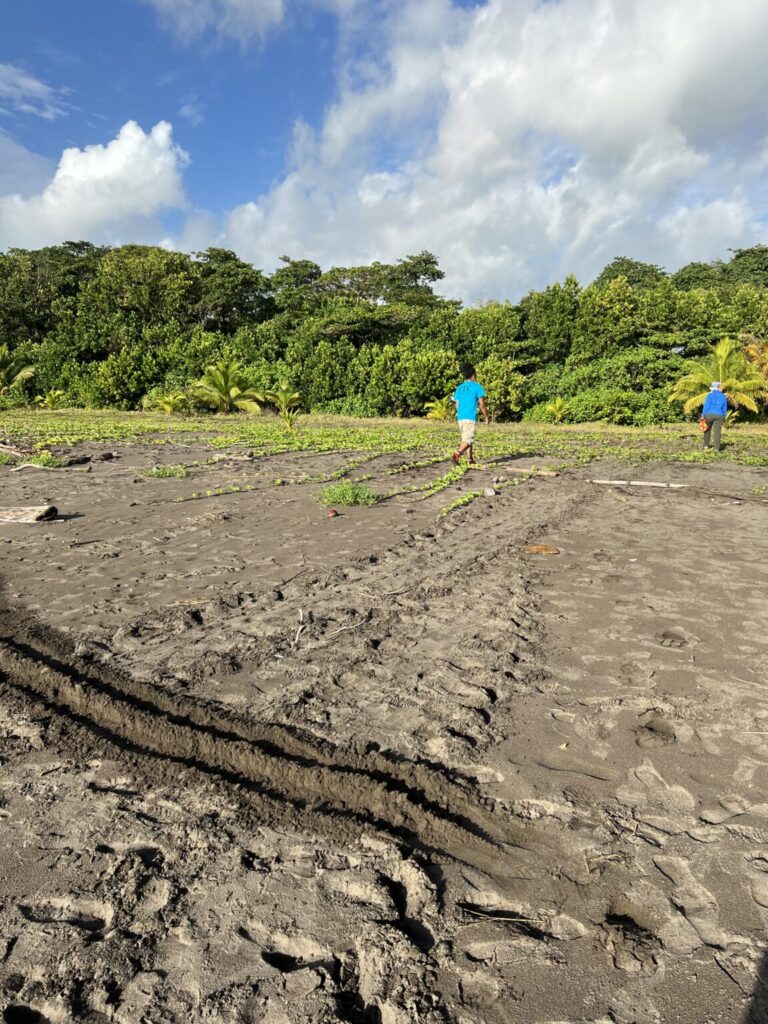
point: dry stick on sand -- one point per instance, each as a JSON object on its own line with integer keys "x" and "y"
{"x": 637, "y": 483}
{"x": 300, "y": 630}
{"x": 355, "y": 625}
{"x": 677, "y": 487}
{"x": 14, "y": 451}
{"x": 49, "y": 469}
{"x": 519, "y": 918}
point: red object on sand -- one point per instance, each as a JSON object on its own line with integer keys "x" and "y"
{"x": 332, "y": 512}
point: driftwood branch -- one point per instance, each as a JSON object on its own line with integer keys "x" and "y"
{"x": 49, "y": 469}
{"x": 28, "y": 514}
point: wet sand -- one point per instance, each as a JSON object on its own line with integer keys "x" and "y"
{"x": 262, "y": 765}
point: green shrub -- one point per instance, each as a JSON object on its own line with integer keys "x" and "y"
{"x": 347, "y": 493}
{"x": 164, "y": 472}
{"x": 351, "y": 405}
{"x": 503, "y": 384}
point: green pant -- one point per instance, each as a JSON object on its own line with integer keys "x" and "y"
{"x": 714, "y": 426}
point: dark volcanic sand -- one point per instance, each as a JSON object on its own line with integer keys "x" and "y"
{"x": 261, "y": 765}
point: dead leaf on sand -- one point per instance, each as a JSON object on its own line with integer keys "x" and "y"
{"x": 541, "y": 549}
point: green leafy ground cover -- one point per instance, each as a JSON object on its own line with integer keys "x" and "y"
{"x": 426, "y": 439}
{"x": 345, "y": 492}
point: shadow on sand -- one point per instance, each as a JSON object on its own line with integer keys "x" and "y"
{"x": 757, "y": 1011}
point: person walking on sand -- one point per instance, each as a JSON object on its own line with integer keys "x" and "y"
{"x": 713, "y": 414}
{"x": 468, "y": 397}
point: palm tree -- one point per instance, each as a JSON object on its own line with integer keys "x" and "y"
{"x": 557, "y": 409}
{"x": 440, "y": 409}
{"x": 169, "y": 402}
{"x": 286, "y": 401}
{"x": 741, "y": 382}
{"x": 224, "y": 387}
{"x": 13, "y": 370}
{"x": 55, "y": 399}
{"x": 284, "y": 398}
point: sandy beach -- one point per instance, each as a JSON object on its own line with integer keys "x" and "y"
{"x": 259, "y": 764}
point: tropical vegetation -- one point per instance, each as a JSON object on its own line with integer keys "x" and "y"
{"x": 139, "y": 326}
{"x": 740, "y": 380}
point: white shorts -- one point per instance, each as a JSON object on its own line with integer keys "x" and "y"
{"x": 468, "y": 429}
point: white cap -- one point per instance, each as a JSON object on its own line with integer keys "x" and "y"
{"x": 715, "y": 386}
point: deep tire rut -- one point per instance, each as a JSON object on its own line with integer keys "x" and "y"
{"x": 426, "y": 811}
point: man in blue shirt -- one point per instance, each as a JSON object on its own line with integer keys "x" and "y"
{"x": 468, "y": 397}
{"x": 713, "y": 413}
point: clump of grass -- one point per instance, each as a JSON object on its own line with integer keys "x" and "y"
{"x": 166, "y": 471}
{"x": 48, "y": 459}
{"x": 462, "y": 502}
{"x": 347, "y": 493}
{"x": 6, "y": 459}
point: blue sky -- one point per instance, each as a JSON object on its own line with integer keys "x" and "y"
{"x": 519, "y": 140}
{"x": 232, "y": 106}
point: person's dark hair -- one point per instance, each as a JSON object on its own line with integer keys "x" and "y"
{"x": 467, "y": 371}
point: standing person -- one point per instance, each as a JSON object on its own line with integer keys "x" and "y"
{"x": 468, "y": 397}
{"x": 713, "y": 413}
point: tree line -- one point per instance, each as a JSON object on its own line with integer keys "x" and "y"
{"x": 115, "y": 326}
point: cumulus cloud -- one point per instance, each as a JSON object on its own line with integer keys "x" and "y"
{"x": 520, "y": 140}
{"x": 22, "y": 93}
{"x": 111, "y": 192}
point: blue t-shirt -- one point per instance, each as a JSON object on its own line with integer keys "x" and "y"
{"x": 467, "y": 396}
{"x": 715, "y": 404}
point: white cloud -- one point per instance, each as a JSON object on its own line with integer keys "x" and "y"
{"x": 518, "y": 140}
{"x": 241, "y": 20}
{"x": 22, "y": 93}
{"x": 521, "y": 140}
{"x": 192, "y": 110}
{"x": 109, "y": 192}
{"x": 720, "y": 224}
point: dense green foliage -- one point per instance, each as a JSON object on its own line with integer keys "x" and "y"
{"x": 740, "y": 381}
{"x": 121, "y": 327}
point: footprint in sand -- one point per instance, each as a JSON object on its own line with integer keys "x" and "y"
{"x": 696, "y": 903}
{"x": 669, "y": 638}
{"x": 90, "y": 915}
{"x": 758, "y": 882}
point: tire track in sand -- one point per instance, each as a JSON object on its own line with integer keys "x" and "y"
{"x": 415, "y": 802}
{"x": 411, "y": 802}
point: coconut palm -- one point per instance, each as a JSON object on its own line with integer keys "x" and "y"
{"x": 55, "y": 399}
{"x": 13, "y": 370}
{"x": 224, "y": 387}
{"x": 286, "y": 401}
{"x": 169, "y": 402}
{"x": 440, "y": 409}
{"x": 741, "y": 382}
{"x": 284, "y": 398}
{"x": 557, "y": 409}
